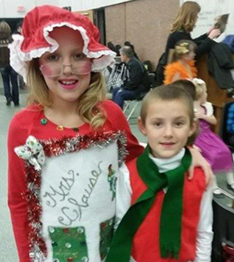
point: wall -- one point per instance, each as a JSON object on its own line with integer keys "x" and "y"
{"x": 9, "y": 8}
{"x": 145, "y": 23}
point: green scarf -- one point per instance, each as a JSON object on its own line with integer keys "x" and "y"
{"x": 171, "y": 214}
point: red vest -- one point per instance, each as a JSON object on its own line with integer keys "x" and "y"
{"x": 146, "y": 240}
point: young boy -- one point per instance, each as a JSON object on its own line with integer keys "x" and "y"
{"x": 165, "y": 217}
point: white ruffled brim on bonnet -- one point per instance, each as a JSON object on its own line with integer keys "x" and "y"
{"x": 18, "y": 59}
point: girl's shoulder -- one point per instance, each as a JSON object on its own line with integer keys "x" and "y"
{"x": 114, "y": 114}
{"x": 111, "y": 108}
{"x": 25, "y": 116}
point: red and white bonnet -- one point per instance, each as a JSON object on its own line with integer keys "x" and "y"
{"x": 35, "y": 39}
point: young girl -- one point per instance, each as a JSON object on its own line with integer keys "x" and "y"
{"x": 212, "y": 147}
{"x": 66, "y": 147}
{"x": 164, "y": 217}
{"x": 184, "y": 67}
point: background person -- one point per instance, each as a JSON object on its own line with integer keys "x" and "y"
{"x": 212, "y": 147}
{"x": 137, "y": 81}
{"x": 9, "y": 76}
{"x": 184, "y": 66}
{"x": 182, "y": 27}
{"x": 20, "y": 78}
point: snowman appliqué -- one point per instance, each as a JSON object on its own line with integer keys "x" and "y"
{"x": 112, "y": 181}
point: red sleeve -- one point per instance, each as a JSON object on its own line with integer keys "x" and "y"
{"x": 119, "y": 122}
{"x": 16, "y": 186}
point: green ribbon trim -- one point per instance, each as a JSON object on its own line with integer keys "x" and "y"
{"x": 171, "y": 214}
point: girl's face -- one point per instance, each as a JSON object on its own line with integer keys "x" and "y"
{"x": 190, "y": 56}
{"x": 67, "y": 70}
{"x": 204, "y": 95}
{"x": 167, "y": 127}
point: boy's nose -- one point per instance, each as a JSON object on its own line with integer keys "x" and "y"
{"x": 168, "y": 130}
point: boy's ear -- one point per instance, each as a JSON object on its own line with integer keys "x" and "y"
{"x": 141, "y": 126}
{"x": 193, "y": 127}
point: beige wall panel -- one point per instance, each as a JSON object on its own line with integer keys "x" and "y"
{"x": 145, "y": 23}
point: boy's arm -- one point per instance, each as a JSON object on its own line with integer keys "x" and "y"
{"x": 204, "y": 231}
{"x": 123, "y": 194}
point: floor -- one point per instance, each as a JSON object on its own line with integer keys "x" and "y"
{"x": 7, "y": 247}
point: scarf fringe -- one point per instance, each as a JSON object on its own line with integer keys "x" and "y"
{"x": 170, "y": 251}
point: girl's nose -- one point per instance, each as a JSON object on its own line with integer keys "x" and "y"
{"x": 67, "y": 69}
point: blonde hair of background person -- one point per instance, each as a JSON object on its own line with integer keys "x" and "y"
{"x": 201, "y": 88}
{"x": 186, "y": 17}
{"x": 212, "y": 147}
{"x": 183, "y": 25}
{"x": 184, "y": 66}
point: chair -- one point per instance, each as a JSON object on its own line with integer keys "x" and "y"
{"x": 225, "y": 136}
{"x": 223, "y": 227}
{"x": 148, "y": 66}
{"x": 137, "y": 100}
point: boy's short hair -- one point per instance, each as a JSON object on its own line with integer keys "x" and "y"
{"x": 167, "y": 93}
{"x": 188, "y": 86}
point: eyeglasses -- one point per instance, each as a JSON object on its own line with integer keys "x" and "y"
{"x": 54, "y": 69}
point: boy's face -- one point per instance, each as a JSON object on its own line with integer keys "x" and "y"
{"x": 167, "y": 127}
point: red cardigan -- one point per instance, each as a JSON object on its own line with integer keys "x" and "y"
{"x": 28, "y": 122}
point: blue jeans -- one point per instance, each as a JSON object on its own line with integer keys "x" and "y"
{"x": 119, "y": 95}
{"x": 10, "y": 76}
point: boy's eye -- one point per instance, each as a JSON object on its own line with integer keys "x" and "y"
{"x": 179, "y": 124}
{"x": 157, "y": 124}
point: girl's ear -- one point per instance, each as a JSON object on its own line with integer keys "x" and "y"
{"x": 141, "y": 126}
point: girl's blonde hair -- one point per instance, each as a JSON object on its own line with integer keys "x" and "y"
{"x": 183, "y": 47}
{"x": 186, "y": 17}
{"x": 89, "y": 103}
{"x": 200, "y": 86}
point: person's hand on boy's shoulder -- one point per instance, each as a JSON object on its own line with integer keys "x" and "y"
{"x": 199, "y": 160}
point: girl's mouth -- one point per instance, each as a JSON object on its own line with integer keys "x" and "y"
{"x": 68, "y": 84}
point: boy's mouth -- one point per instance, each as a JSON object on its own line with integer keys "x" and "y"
{"x": 167, "y": 144}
